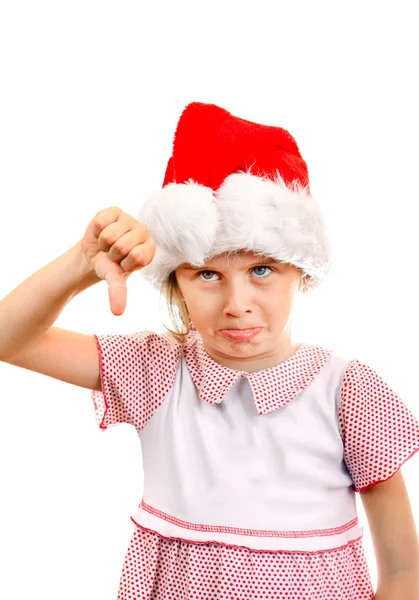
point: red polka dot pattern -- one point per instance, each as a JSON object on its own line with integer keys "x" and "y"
{"x": 156, "y": 568}
{"x": 379, "y": 431}
{"x": 272, "y": 388}
{"x": 137, "y": 372}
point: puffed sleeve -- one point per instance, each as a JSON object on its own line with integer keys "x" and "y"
{"x": 379, "y": 432}
{"x": 137, "y": 371}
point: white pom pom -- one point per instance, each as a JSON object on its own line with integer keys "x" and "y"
{"x": 182, "y": 219}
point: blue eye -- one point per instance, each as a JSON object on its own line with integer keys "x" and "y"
{"x": 262, "y": 267}
{"x": 201, "y": 273}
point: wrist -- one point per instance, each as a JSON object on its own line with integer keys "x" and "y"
{"x": 86, "y": 276}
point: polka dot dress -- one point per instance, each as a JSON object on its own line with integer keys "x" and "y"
{"x": 161, "y": 569}
{"x": 378, "y": 431}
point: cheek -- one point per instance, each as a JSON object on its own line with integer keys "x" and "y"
{"x": 279, "y": 307}
{"x": 202, "y": 305}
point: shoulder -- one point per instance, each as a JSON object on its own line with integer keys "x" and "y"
{"x": 139, "y": 350}
{"x": 361, "y": 379}
{"x": 368, "y": 400}
{"x": 359, "y": 387}
{"x": 354, "y": 373}
{"x": 363, "y": 391}
{"x": 140, "y": 340}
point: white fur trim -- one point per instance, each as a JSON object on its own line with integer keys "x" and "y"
{"x": 190, "y": 223}
{"x": 175, "y": 213}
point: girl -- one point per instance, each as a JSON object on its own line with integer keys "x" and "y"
{"x": 253, "y": 446}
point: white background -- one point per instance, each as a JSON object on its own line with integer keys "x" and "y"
{"x": 90, "y": 96}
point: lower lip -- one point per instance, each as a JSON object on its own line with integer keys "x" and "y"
{"x": 240, "y": 335}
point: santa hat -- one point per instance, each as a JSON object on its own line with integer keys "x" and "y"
{"x": 233, "y": 185}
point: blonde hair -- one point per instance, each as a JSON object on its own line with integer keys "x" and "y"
{"x": 178, "y": 310}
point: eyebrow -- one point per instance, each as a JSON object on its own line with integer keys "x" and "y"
{"x": 266, "y": 261}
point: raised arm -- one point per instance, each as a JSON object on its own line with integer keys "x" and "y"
{"x": 28, "y": 312}
{"x": 114, "y": 245}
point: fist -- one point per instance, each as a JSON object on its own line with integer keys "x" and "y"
{"x": 114, "y": 246}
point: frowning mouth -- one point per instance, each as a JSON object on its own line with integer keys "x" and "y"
{"x": 240, "y": 334}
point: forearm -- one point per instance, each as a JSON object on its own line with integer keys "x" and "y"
{"x": 399, "y": 586}
{"x": 31, "y": 309}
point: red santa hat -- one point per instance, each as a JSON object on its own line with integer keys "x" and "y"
{"x": 233, "y": 185}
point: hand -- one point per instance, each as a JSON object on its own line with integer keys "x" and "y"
{"x": 114, "y": 246}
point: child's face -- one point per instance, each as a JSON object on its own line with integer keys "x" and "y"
{"x": 238, "y": 292}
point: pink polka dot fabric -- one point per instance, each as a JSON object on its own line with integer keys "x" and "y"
{"x": 272, "y": 388}
{"x": 156, "y": 568}
{"x": 137, "y": 372}
{"x": 378, "y": 432}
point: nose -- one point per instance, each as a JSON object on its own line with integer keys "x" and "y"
{"x": 237, "y": 299}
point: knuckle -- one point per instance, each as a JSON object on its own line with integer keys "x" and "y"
{"x": 107, "y": 236}
{"x": 127, "y": 264}
{"x": 107, "y": 214}
{"x": 99, "y": 222}
{"x": 120, "y": 247}
{"x": 136, "y": 254}
{"x": 113, "y": 210}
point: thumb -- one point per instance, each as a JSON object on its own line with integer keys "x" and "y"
{"x": 117, "y": 292}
